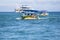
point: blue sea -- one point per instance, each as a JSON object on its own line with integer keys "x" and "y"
{"x": 44, "y": 29}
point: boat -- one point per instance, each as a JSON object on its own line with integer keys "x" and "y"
{"x": 44, "y": 13}
{"x": 28, "y": 13}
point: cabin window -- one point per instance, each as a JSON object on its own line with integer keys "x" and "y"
{"x": 31, "y": 14}
{"x": 28, "y": 14}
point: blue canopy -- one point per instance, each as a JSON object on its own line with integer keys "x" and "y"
{"x": 36, "y": 11}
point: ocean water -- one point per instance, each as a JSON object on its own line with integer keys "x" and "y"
{"x": 44, "y": 29}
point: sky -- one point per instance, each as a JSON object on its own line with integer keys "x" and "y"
{"x": 49, "y": 5}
